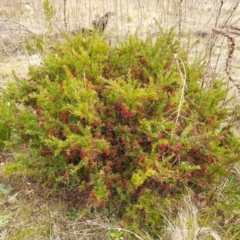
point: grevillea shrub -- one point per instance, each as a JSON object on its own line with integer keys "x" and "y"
{"x": 129, "y": 125}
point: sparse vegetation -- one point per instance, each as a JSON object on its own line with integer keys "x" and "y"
{"x": 138, "y": 140}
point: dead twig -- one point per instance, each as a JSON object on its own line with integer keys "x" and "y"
{"x": 231, "y": 47}
{"x": 180, "y": 18}
{"x": 7, "y": 26}
{"x": 65, "y": 13}
{"x": 101, "y": 23}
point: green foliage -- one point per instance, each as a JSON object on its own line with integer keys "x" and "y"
{"x": 6, "y": 117}
{"x": 223, "y": 210}
{"x": 36, "y": 44}
{"x": 129, "y": 125}
{"x": 49, "y": 12}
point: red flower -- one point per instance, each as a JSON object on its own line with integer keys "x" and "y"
{"x": 194, "y": 149}
{"x": 100, "y": 202}
{"x": 97, "y": 135}
{"x": 209, "y": 159}
{"x": 219, "y": 138}
{"x": 149, "y": 139}
{"x": 106, "y": 152}
{"x": 66, "y": 174}
{"x": 191, "y": 160}
{"x": 91, "y": 196}
{"x": 209, "y": 121}
{"x": 74, "y": 74}
{"x": 178, "y": 147}
{"x": 163, "y": 146}
{"x": 143, "y": 62}
{"x": 160, "y": 136}
{"x": 109, "y": 170}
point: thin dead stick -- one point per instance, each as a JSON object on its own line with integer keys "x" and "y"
{"x": 232, "y": 27}
{"x": 227, "y": 69}
{"x": 23, "y": 28}
{"x": 65, "y": 13}
{"x": 219, "y": 12}
{"x": 214, "y": 68}
{"x": 183, "y": 74}
{"x": 231, "y": 47}
{"x": 231, "y": 14}
{"x": 180, "y": 18}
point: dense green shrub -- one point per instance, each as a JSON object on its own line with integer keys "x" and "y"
{"x": 131, "y": 125}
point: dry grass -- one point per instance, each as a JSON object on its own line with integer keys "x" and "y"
{"x": 190, "y": 18}
{"x": 186, "y": 225}
{"x": 27, "y": 209}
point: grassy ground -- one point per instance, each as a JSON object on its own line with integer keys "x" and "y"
{"x": 30, "y": 211}
{"x": 27, "y": 210}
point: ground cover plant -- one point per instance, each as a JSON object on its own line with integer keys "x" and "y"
{"x": 132, "y": 127}
{"x": 5, "y": 118}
